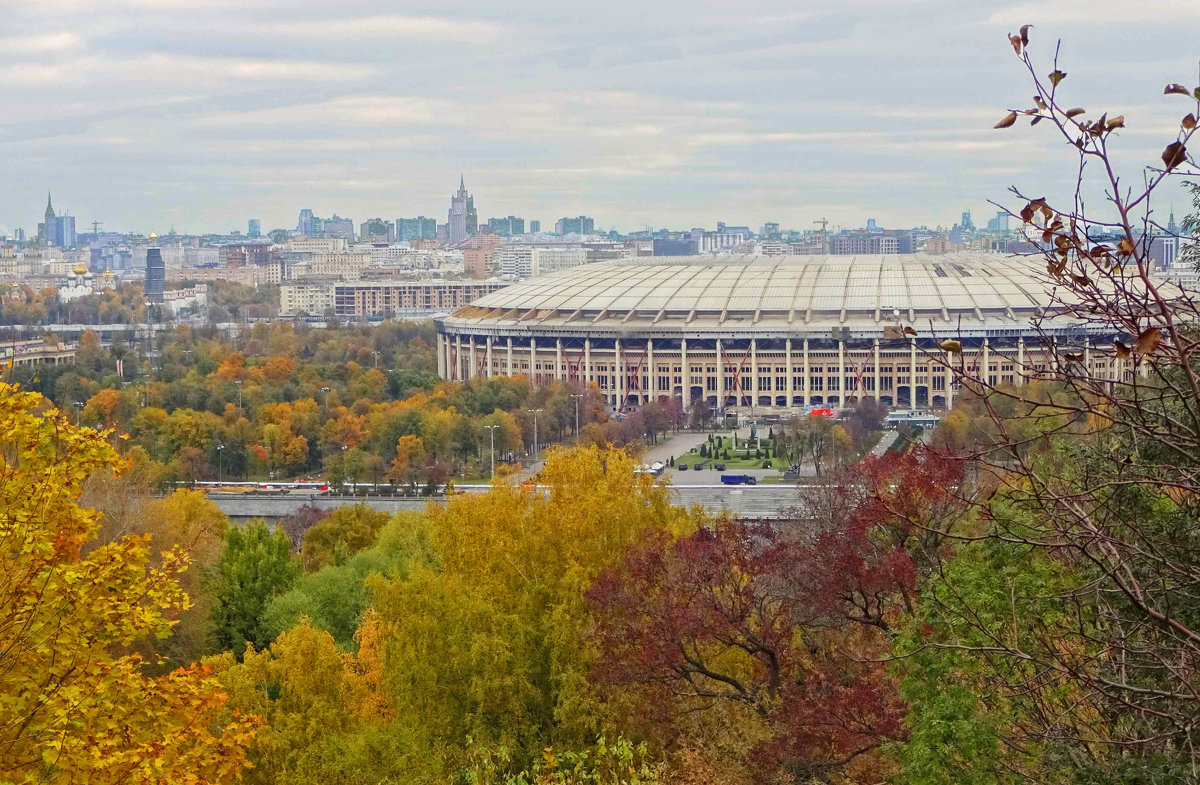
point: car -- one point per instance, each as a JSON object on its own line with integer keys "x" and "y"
{"x": 791, "y": 472}
{"x": 698, "y": 466}
{"x": 719, "y": 467}
{"x": 682, "y": 467}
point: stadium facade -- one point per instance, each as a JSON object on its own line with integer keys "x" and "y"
{"x": 772, "y": 333}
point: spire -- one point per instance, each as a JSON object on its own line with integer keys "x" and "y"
{"x": 462, "y": 183}
{"x": 49, "y": 206}
{"x": 1171, "y": 227}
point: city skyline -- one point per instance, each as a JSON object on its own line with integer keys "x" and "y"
{"x": 781, "y": 112}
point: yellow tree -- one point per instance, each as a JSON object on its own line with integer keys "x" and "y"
{"x": 72, "y": 710}
{"x": 492, "y": 644}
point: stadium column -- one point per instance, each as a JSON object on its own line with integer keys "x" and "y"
{"x": 720, "y": 378}
{"x": 441, "y": 355}
{"x": 912, "y": 374}
{"x": 587, "y": 361}
{"x": 489, "y": 356}
{"x": 651, "y": 371}
{"x": 949, "y": 382}
{"x": 619, "y": 368}
{"x": 986, "y": 371}
{"x": 1021, "y": 360}
{"x": 687, "y": 374}
{"x": 558, "y": 374}
{"x": 753, "y": 373}
{"x": 533, "y": 361}
{"x": 877, "y": 392}
{"x": 510, "y": 362}
{"x": 841, "y": 373}
{"x": 457, "y": 358}
{"x": 1087, "y": 355}
{"x": 789, "y": 385}
{"x": 807, "y": 376}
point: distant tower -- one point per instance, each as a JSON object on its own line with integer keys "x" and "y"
{"x": 462, "y": 221}
{"x": 1171, "y": 225}
{"x": 304, "y": 225}
{"x": 156, "y": 271}
{"x": 49, "y": 209}
{"x": 255, "y": 228}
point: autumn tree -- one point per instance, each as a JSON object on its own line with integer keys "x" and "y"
{"x": 72, "y": 708}
{"x": 1068, "y": 621}
{"x": 341, "y": 534}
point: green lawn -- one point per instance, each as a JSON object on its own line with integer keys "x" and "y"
{"x": 734, "y": 461}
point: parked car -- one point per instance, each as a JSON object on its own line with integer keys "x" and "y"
{"x": 791, "y": 472}
{"x": 698, "y": 467}
{"x": 682, "y": 467}
{"x": 719, "y": 467}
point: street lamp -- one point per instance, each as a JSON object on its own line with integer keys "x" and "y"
{"x": 577, "y": 397}
{"x": 535, "y": 433}
{"x": 220, "y": 447}
{"x": 492, "y": 433}
{"x": 78, "y": 411}
{"x": 325, "y": 402}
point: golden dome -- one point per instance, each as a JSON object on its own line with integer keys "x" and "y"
{"x": 153, "y": 236}
{"x": 79, "y": 269}
{"x": 108, "y": 274}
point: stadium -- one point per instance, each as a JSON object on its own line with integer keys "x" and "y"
{"x": 770, "y": 333}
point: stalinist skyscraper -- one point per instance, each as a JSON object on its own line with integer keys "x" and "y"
{"x": 463, "y": 220}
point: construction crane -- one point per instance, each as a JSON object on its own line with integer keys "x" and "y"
{"x": 823, "y": 223}
{"x": 96, "y": 227}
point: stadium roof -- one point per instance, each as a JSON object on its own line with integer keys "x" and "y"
{"x": 798, "y": 291}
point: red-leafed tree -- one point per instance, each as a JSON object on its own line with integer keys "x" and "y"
{"x": 787, "y": 632}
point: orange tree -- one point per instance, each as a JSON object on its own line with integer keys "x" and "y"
{"x": 72, "y": 708}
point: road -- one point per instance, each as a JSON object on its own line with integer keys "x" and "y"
{"x": 748, "y": 501}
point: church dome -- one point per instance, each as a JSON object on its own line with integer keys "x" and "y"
{"x": 80, "y": 269}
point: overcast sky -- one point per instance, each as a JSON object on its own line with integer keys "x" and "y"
{"x": 199, "y": 114}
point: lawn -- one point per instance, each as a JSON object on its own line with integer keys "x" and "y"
{"x": 734, "y": 461}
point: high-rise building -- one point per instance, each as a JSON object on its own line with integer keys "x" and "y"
{"x": 255, "y": 228}
{"x": 967, "y": 224}
{"x": 535, "y": 227}
{"x": 377, "y": 230}
{"x": 305, "y": 223}
{"x": 507, "y": 227}
{"x": 863, "y": 243}
{"x": 156, "y": 272}
{"x": 999, "y": 223}
{"x": 419, "y": 228}
{"x": 578, "y": 225}
{"x": 337, "y": 228}
{"x": 57, "y": 230}
{"x": 463, "y": 221}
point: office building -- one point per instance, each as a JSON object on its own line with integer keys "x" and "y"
{"x": 338, "y": 228}
{"x": 156, "y": 272}
{"x": 861, "y": 243}
{"x": 419, "y": 228}
{"x": 377, "y": 230}
{"x": 535, "y": 227}
{"x": 254, "y": 230}
{"x": 462, "y": 221}
{"x": 525, "y": 261}
{"x": 407, "y": 298}
{"x": 507, "y": 227}
{"x": 579, "y": 225}
{"x": 304, "y": 224}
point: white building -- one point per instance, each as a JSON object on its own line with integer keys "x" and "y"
{"x": 325, "y": 245}
{"x": 191, "y": 300}
{"x": 305, "y": 298}
{"x": 525, "y": 261}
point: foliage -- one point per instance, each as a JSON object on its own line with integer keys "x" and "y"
{"x": 255, "y": 566}
{"x": 339, "y": 535}
{"x": 71, "y": 707}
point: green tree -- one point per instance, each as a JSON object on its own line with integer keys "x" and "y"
{"x": 341, "y": 534}
{"x": 255, "y": 566}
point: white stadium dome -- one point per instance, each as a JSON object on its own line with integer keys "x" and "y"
{"x": 775, "y": 331}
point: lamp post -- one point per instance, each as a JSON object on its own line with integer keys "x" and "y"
{"x": 220, "y": 466}
{"x": 239, "y": 389}
{"x": 492, "y": 434}
{"x": 577, "y": 397}
{"x": 78, "y": 411}
{"x": 535, "y": 433}
{"x": 325, "y": 402}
